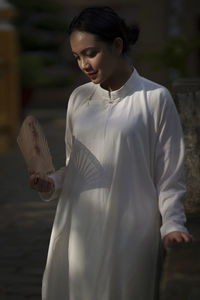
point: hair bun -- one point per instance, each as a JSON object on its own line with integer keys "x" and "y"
{"x": 130, "y": 34}
{"x": 133, "y": 34}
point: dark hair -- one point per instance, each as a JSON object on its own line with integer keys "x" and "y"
{"x": 103, "y": 22}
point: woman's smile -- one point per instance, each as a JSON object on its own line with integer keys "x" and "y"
{"x": 92, "y": 75}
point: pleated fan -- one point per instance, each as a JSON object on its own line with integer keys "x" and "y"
{"x": 34, "y": 147}
{"x": 86, "y": 169}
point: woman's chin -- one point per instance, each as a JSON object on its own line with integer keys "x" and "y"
{"x": 95, "y": 80}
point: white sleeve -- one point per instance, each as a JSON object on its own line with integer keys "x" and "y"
{"x": 58, "y": 178}
{"x": 169, "y": 166}
{"x": 59, "y": 175}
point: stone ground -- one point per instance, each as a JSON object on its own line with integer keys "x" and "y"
{"x": 26, "y": 221}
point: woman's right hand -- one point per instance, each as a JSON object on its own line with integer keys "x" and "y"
{"x": 41, "y": 182}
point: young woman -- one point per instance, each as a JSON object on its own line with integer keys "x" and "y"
{"x": 121, "y": 189}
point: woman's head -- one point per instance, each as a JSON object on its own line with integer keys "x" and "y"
{"x": 106, "y": 25}
{"x": 98, "y": 39}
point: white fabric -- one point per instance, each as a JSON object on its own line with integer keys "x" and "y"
{"x": 58, "y": 178}
{"x": 124, "y": 168}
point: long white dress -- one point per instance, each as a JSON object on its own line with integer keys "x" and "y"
{"x": 120, "y": 192}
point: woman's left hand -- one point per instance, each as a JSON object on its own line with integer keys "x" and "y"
{"x": 176, "y": 237}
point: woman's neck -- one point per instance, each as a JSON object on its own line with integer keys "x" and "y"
{"x": 119, "y": 77}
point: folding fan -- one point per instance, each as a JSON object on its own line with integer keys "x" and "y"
{"x": 34, "y": 147}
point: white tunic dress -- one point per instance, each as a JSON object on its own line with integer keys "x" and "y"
{"x": 122, "y": 186}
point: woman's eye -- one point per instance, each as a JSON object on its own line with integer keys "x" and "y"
{"x": 92, "y": 54}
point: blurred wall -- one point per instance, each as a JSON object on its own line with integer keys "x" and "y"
{"x": 9, "y": 97}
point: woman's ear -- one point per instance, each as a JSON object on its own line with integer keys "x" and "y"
{"x": 118, "y": 45}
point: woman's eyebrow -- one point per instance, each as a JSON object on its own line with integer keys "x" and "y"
{"x": 84, "y": 50}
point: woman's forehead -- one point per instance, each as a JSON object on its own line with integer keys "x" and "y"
{"x": 82, "y": 36}
{"x": 80, "y": 40}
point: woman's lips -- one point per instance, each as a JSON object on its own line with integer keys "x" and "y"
{"x": 92, "y": 75}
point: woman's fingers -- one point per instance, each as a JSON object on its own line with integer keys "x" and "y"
{"x": 44, "y": 185}
{"x": 176, "y": 237}
{"x": 187, "y": 237}
{"x": 33, "y": 178}
{"x": 41, "y": 183}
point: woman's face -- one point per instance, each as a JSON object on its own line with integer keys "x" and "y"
{"x": 97, "y": 59}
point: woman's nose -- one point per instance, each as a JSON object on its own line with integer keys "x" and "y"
{"x": 84, "y": 64}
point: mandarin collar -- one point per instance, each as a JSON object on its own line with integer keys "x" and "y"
{"x": 119, "y": 94}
